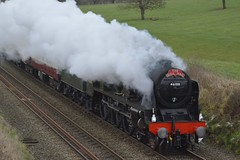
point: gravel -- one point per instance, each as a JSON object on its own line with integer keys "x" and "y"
{"x": 50, "y": 146}
{"x": 211, "y": 151}
{"x": 27, "y": 125}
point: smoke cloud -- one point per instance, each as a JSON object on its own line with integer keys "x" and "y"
{"x": 61, "y": 35}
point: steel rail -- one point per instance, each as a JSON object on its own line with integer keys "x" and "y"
{"x": 83, "y": 151}
{"x": 195, "y": 155}
{"x": 79, "y": 127}
{"x": 116, "y": 155}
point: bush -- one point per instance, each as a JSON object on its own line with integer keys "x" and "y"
{"x": 220, "y": 106}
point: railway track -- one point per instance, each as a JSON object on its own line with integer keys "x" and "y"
{"x": 70, "y": 123}
{"x": 183, "y": 154}
{"x": 80, "y": 140}
{"x": 195, "y": 155}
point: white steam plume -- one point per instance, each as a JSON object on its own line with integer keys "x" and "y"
{"x": 61, "y": 35}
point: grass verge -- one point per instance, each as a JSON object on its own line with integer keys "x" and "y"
{"x": 10, "y": 147}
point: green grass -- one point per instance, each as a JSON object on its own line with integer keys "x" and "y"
{"x": 194, "y": 29}
{"x": 13, "y": 148}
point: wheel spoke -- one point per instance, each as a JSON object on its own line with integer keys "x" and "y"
{"x": 119, "y": 118}
{"x": 128, "y": 126}
{"x": 104, "y": 112}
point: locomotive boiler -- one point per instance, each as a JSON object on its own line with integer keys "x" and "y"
{"x": 168, "y": 119}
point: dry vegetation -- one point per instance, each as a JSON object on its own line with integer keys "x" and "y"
{"x": 220, "y": 105}
{"x": 10, "y": 147}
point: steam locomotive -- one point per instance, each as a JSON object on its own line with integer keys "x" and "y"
{"x": 169, "y": 120}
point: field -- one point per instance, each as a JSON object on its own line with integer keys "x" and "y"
{"x": 198, "y": 30}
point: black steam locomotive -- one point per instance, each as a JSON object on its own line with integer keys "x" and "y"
{"x": 169, "y": 119}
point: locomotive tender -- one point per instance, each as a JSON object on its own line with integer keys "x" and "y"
{"x": 171, "y": 119}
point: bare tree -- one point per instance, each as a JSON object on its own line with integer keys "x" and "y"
{"x": 224, "y": 4}
{"x": 96, "y": 1}
{"x": 144, "y": 5}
